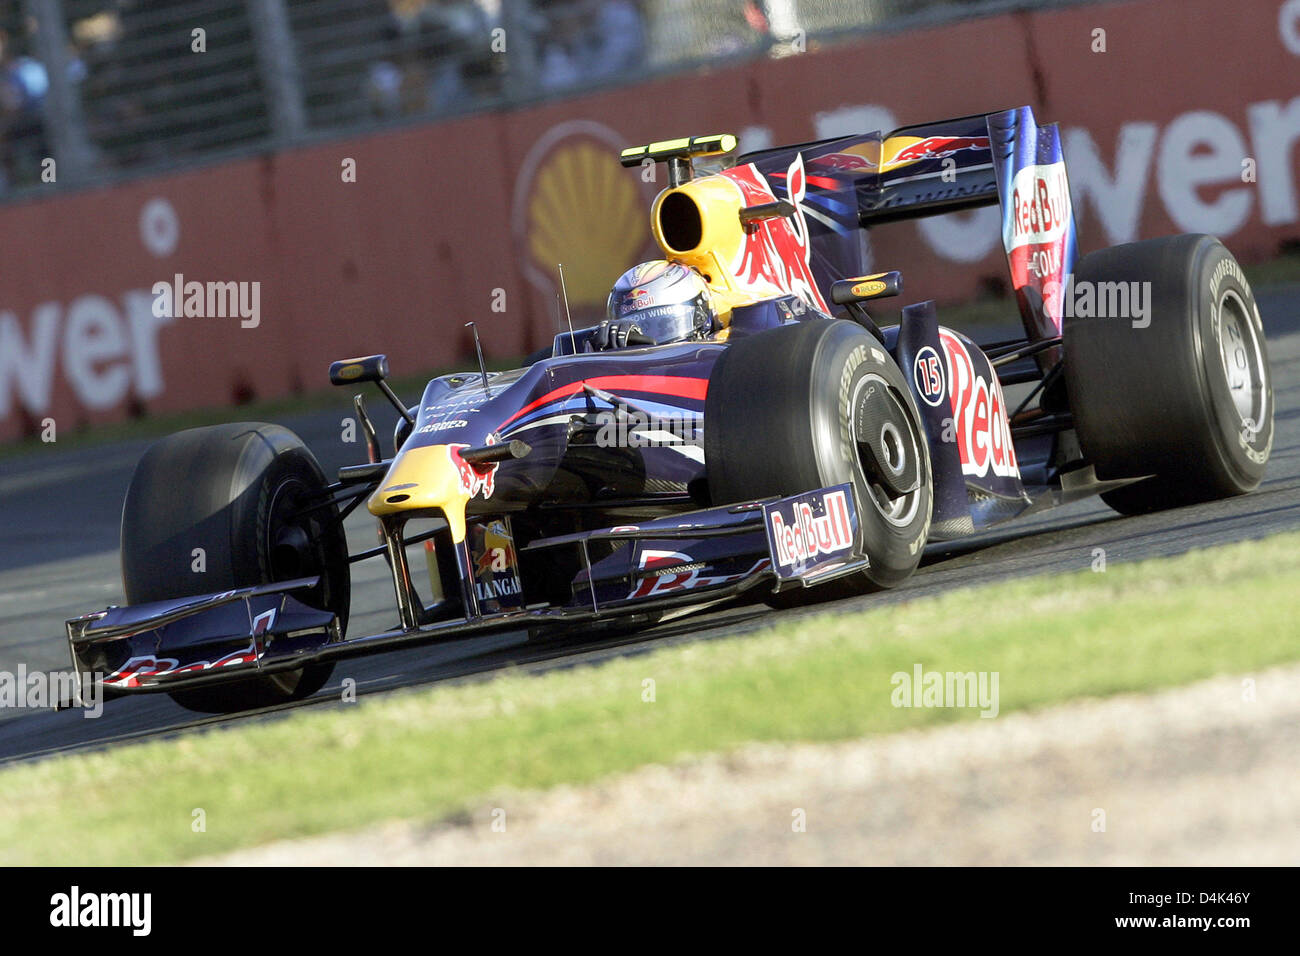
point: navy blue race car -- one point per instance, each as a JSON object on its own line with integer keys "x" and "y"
{"x": 738, "y": 422}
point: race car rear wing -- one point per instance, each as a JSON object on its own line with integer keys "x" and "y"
{"x": 930, "y": 169}
{"x": 914, "y": 171}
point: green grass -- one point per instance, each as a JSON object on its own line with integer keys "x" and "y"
{"x": 435, "y": 753}
{"x": 1282, "y": 270}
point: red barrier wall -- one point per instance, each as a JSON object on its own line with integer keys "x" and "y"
{"x": 466, "y": 219}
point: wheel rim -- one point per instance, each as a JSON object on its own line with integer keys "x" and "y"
{"x": 289, "y": 547}
{"x": 895, "y": 447}
{"x": 1242, "y": 360}
{"x": 283, "y": 535}
{"x": 286, "y": 681}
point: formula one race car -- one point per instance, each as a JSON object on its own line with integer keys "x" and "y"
{"x": 738, "y": 421}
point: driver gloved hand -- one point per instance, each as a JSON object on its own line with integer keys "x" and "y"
{"x": 618, "y": 334}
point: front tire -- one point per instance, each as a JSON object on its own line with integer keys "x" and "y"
{"x": 1187, "y": 398}
{"x": 235, "y": 492}
{"x": 815, "y": 404}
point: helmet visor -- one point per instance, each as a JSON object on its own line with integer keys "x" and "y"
{"x": 664, "y": 323}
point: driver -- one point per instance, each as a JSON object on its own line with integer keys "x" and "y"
{"x": 656, "y": 303}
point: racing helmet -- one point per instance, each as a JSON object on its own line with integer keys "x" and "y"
{"x": 655, "y": 303}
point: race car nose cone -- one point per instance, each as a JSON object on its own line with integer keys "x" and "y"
{"x": 432, "y": 476}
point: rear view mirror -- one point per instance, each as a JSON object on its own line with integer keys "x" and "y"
{"x": 864, "y": 288}
{"x": 368, "y": 368}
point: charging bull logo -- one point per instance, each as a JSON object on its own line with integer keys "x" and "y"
{"x": 777, "y": 252}
{"x": 934, "y": 147}
{"x": 979, "y": 414}
{"x": 636, "y": 300}
{"x": 847, "y": 162}
{"x": 474, "y": 479}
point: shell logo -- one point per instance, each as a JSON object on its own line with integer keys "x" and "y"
{"x": 575, "y": 204}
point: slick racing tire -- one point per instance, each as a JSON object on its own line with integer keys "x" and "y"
{"x": 1186, "y": 399}
{"x": 787, "y": 412}
{"x": 237, "y": 492}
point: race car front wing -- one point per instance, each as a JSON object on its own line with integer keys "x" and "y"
{"x": 697, "y": 557}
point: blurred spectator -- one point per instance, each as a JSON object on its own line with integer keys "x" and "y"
{"x": 346, "y": 52}
{"x": 440, "y": 58}
{"x": 618, "y": 38}
{"x": 386, "y": 76}
{"x": 151, "y": 95}
{"x": 181, "y": 102}
{"x": 590, "y": 40}
{"x": 690, "y": 30}
{"x": 454, "y": 44}
{"x": 561, "y": 44}
{"x": 23, "y": 85}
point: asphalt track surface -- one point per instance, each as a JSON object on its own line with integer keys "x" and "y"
{"x": 60, "y": 508}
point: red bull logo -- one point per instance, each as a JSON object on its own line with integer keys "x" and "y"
{"x": 808, "y": 535}
{"x": 1040, "y": 205}
{"x": 1037, "y": 232}
{"x": 841, "y": 163}
{"x": 638, "y": 299}
{"x": 474, "y": 479}
{"x": 936, "y": 147}
{"x": 979, "y": 414}
{"x": 777, "y": 253}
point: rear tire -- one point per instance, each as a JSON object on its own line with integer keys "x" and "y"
{"x": 232, "y": 491}
{"x": 1188, "y": 398}
{"x": 782, "y": 417}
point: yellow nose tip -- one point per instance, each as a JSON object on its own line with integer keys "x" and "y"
{"x": 420, "y": 479}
